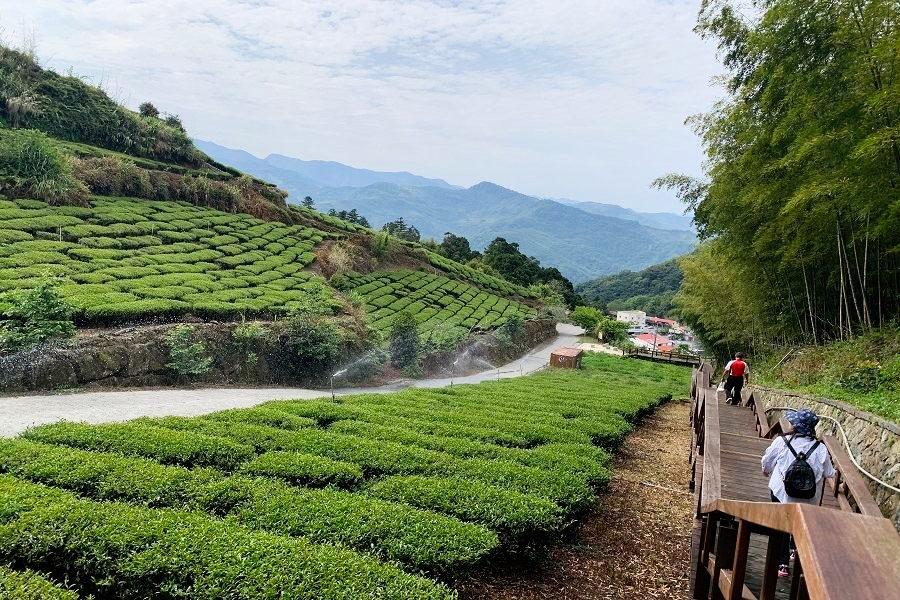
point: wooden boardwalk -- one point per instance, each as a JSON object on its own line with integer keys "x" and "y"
{"x": 846, "y": 549}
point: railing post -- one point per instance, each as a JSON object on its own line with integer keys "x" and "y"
{"x": 707, "y": 539}
{"x": 725, "y": 539}
{"x": 739, "y": 565}
{"x": 770, "y": 570}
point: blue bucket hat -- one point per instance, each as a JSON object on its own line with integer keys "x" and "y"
{"x": 804, "y": 421}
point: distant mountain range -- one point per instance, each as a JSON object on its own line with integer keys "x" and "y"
{"x": 584, "y": 240}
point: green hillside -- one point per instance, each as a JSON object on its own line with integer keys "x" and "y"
{"x": 651, "y": 290}
{"x": 132, "y": 223}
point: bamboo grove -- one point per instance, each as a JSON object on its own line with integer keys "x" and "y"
{"x": 800, "y": 207}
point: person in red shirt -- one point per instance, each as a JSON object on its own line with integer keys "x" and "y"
{"x": 735, "y": 375}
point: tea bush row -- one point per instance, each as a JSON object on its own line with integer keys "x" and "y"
{"x": 29, "y": 585}
{"x": 432, "y": 299}
{"x": 123, "y": 551}
{"x": 158, "y": 258}
{"x": 416, "y": 538}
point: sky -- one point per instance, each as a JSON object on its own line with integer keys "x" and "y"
{"x": 580, "y": 99}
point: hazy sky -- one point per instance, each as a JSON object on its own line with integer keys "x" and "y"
{"x": 563, "y": 98}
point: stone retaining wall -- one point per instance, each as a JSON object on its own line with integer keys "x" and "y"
{"x": 875, "y": 442}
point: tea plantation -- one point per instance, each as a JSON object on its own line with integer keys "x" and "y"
{"x": 374, "y": 496}
{"x": 432, "y": 299}
{"x": 125, "y": 258}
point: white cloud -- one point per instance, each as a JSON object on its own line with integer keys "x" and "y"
{"x": 578, "y": 98}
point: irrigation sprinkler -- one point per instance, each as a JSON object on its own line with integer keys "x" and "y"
{"x": 333, "y": 375}
{"x": 453, "y": 369}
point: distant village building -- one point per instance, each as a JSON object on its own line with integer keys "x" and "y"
{"x": 634, "y": 318}
{"x": 649, "y": 341}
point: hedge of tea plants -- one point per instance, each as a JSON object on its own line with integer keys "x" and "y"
{"x": 432, "y": 299}
{"x": 125, "y": 258}
{"x": 370, "y": 496}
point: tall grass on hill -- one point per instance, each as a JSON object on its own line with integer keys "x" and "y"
{"x": 69, "y": 108}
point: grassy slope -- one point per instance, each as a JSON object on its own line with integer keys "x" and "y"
{"x": 436, "y": 480}
{"x": 864, "y": 372}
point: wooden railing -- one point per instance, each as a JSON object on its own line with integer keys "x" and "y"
{"x": 672, "y": 357}
{"x": 847, "y": 554}
{"x": 848, "y": 487}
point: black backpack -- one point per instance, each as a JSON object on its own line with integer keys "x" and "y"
{"x": 800, "y": 479}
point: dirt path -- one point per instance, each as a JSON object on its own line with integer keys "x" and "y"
{"x": 635, "y": 542}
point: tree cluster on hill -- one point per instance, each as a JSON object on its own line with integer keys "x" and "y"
{"x": 650, "y": 290}
{"x": 351, "y": 216}
{"x": 402, "y": 230}
{"x": 506, "y": 258}
{"x": 799, "y": 205}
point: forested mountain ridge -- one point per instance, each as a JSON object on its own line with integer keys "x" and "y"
{"x": 798, "y": 207}
{"x": 581, "y": 244}
{"x": 657, "y": 220}
{"x": 651, "y": 289}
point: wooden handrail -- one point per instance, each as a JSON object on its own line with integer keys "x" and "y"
{"x": 852, "y": 553}
{"x": 849, "y": 488}
{"x": 844, "y": 555}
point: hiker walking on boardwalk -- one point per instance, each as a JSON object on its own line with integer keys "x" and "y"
{"x": 735, "y": 374}
{"x": 797, "y": 465}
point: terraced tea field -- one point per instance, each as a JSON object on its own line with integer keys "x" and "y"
{"x": 123, "y": 258}
{"x": 432, "y": 300}
{"x": 374, "y": 496}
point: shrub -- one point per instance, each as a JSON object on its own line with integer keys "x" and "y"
{"x": 419, "y": 539}
{"x": 310, "y": 340}
{"x": 586, "y": 317}
{"x": 304, "y": 469}
{"x": 404, "y": 342}
{"x": 511, "y": 513}
{"x": 187, "y": 357}
{"x": 30, "y": 585}
{"x": 36, "y": 316}
{"x": 139, "y": 439}
{"x": 132, "y": 552}
{"x": 37, "y": 168}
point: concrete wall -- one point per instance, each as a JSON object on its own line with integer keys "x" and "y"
{"x": 874, "y": 442}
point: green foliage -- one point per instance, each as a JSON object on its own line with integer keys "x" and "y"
{"x": 445, "y": 310}
{"x": 611, "y": 330}
{"x": 404, "y": 344}
{"x": 456, "y": 247}
{"x": 351, "y": 216}
{"x": 31, "y": 165}
{"x": 382, "y": 244}
{"x": 650, "y": 290}
{"x": 35, "y": 316}
{"x": 587, "y": 317}
{"x": 146, "y": 109}
{"x": 68, "y": 108}
{"x": 402, "y": 230}
{"x": 513, "y": 265}
{"x": 304, "y": 469}
{"x": 798, "y": 202}
{"x": 311, "y": 340}
{"x": 186, "y": 355}
{"x": 419, "y": 539}
{"x": 445, "y": 479}
{"x": 30, "y": 585}
{"x": 125, "y": 551}
{"x": 864, "y": 371}
{"x": 167, "y": 255}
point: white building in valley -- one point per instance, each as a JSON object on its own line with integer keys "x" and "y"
{"x": 634, "y": 318}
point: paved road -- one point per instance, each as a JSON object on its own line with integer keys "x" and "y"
{"x": 20, "y": 412}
